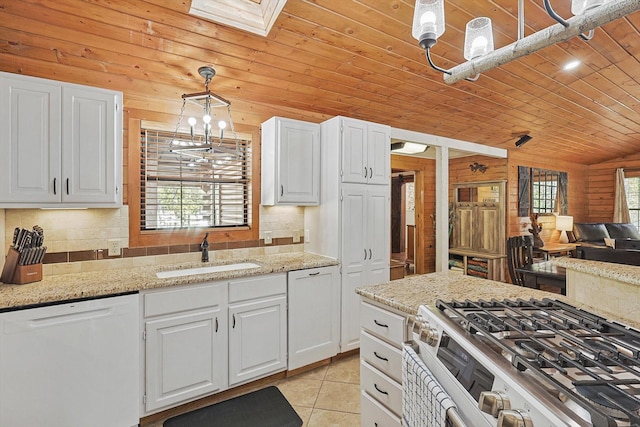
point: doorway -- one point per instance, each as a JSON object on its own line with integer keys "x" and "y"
{"x": 403, "y": 225}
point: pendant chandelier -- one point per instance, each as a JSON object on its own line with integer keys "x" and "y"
{"x": 203, "y": 137}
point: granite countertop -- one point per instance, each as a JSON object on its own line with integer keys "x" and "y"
{"x": 409, "y": 293}
{"x": 65, "y": 287}
{"x": 624, "y": 273}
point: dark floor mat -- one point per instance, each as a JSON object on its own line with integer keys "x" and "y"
{"x": 262, "y": 408}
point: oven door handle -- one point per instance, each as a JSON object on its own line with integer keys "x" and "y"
{"x": 453, "y": 418}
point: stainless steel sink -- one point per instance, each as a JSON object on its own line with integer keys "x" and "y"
{"x": 205, "y": 270}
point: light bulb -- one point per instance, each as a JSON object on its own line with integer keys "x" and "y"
{"x": 206, "y": 118}
{"x": 222, "y": 124}
{"x": 479, "y": 46}
{"x": 192, "y": 121}
{"x": 428, "y": 22}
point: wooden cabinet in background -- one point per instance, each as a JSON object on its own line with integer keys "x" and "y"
{"x": 479, "y": 223}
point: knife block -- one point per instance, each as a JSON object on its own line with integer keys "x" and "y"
{"x": 19, "y": 274}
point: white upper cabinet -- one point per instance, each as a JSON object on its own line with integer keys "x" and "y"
{"x": 290, "y": 162}
{"x": 62, "y": 144}
{"x": 365, "y": 152}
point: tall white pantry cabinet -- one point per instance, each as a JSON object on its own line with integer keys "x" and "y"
{"x": 352, "y": 222}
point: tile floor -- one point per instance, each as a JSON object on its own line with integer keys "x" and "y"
{"x": 327, "y": 396}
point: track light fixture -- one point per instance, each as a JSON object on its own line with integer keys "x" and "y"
{"x": 523, "y": 140}
{"x": 429, "y": 25}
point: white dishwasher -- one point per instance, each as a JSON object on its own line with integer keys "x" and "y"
{"x": 73, "y": 364}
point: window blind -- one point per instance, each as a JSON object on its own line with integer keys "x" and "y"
{"x": 187, "y": 183}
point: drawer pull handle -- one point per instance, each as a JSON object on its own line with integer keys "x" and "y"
{"x": 380, "y": 357}
{"x": 314, "y": 274}
{"x": 382, "y": 325}
{"x": 380, "y": 391}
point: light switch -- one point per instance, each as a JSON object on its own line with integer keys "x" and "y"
{"x": 267, "y": 238}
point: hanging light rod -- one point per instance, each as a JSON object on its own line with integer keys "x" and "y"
{"x": 578, "y": 25}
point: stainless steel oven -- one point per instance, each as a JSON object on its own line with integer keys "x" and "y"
{"x": 528, "y": 363}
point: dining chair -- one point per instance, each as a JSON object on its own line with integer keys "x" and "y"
{"x": 519, "y": 254}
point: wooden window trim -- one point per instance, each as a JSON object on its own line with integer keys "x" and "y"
{"x": 138, "y": 238}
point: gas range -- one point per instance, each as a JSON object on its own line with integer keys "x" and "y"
{"x": 532, "y": 363}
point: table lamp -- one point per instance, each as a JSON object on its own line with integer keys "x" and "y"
{"x": 564, "y": 224}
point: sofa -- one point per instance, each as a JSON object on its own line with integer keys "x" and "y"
{"x": 594, "y": 233}
{"x": 590, "y": 238}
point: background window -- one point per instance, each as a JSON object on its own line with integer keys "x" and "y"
{"x": 186, "y": 184}
{"x": 632, "y": 188}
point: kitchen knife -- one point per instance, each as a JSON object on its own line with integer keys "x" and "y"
{"x": 16, "y": 231}
{"x": 22, "y": 257}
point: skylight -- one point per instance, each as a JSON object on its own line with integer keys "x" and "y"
{"x": 249, "y": 15}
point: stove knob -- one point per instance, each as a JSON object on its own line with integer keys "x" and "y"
{"x": 429, "y": 336}
{"x": 417, "y": 323}
{"x": 492, "y": 402}
{"x": 514, "y": 418}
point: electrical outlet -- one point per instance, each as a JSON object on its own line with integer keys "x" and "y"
{"x": 307, "y": 235}
{"x": 267, "y": 238}
{"x": 296, "y": 236}
{"x": 114, "y": 247}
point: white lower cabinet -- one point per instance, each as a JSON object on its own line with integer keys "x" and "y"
{"x": 382, "y": 335}
{"x": 257, "y": 327}
{"x": 185, "y": 344}
{"x": 314, "y": 315}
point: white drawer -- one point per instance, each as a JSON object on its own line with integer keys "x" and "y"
{"x": 383, "y": 323}
{"x": 373, "y": 414}
{"x": 257, "y": 287}
{"x": 182, "y": 298}
{"x": 381, "y": 387}
{"x": 383, "y": 356}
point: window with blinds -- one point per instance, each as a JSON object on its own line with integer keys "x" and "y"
{"x": 186, "y": 183}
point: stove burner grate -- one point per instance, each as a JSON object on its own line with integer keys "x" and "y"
{"x": 610, "y": 400}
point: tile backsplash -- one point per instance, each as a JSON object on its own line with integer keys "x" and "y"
{"x": 75, "y": 230}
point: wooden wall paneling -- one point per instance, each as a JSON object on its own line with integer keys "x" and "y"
{"x": 602, "y": 186}
{"x": 578, "y": 192}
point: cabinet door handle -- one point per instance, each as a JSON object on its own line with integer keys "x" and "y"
{"x": 380, "y": 391}
{"x": 365, "y": 254}
{"x": 216, "y": 324}
{"x": 365, "y": 171}
{"x": 281, "y": 190}
{"x": 67, "y": 186}
{"x": 370, "y": 253}
{"x": 380, "y": 357}
{"x": 55, "y": 180}
{"x": 314, "y": 274}
{"x": 370, "y": 173}
{"x": 380, "y": 324}
{"x": 234, "y": 322}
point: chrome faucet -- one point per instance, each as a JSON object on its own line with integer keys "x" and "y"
{"x": 204, "y": 246}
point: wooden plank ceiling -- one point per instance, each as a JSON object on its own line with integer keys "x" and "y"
{"x": 355, "y": 58}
